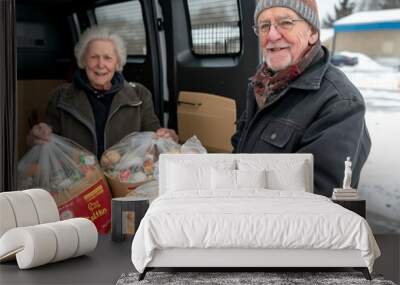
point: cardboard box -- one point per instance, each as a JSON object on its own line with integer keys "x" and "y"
{"x": 121, "y": 189}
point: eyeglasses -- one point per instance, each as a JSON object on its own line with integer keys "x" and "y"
{"x": 284, "y": 25}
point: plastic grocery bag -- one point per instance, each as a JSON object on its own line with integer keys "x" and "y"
{"x": 131, "y": 162}
{"x": 134, "y": 160}
{"x": 193, "y": 145}
{"x": 73, "y": 177}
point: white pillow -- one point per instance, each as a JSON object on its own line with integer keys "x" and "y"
{"x": 287, "y": 174}
{"x": 251, "y": 178}
{"x": 185, "y": 177}
{"x": 290, "y": 176}
{"x": 223, "y": 179}
{"x": 226, "y": 179}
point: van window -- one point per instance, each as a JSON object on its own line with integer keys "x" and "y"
{"x": 215, "y": 26}
{"x": 127, "y": 19}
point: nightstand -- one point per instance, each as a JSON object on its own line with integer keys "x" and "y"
{"x": 126, "y": 214}
{"x": 357, "y": 206}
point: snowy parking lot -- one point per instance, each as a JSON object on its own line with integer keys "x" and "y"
{"x": 380, "y": 179}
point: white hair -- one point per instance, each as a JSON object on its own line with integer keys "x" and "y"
{"x": 100, "y": 33}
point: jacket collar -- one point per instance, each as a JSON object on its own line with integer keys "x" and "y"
{"x": 125, "y": 97}
{"x": 312, "y": 77}
{"x": 120, "y": 91}
{"x": 81, "y": 80}
{"x": 77, "y": 103}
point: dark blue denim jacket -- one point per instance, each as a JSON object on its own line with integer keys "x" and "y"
{"x": 321, "y": 112}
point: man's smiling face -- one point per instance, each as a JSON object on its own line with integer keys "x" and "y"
{"x": 282, "y": 48}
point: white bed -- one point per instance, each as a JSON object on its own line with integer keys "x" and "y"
{"x": 219, "y": 210}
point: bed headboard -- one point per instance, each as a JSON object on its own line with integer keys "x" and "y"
{"x": 287, "y": 168}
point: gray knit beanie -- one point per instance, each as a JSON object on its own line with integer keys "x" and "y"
{"x": 307, "y": 9}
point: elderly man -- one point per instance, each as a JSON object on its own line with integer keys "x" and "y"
{"x": 297, "y": 102}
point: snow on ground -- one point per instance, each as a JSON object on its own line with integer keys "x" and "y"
{"x": 380, "y": 178}
{"x": 385, "y": 81}
{"x": 365, "y": 64}
{"x": 369, "y": 74}
{"x": 394, "y": 62}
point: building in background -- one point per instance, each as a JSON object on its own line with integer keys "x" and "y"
{"x": 374, "y": 33}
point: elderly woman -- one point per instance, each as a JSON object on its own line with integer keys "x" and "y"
{"x": 99, "y": 107}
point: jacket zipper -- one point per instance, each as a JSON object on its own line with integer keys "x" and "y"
{"x": 112, "y": 114}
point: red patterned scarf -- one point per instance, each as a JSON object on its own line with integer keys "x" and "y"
{"x": 266, "y": 82}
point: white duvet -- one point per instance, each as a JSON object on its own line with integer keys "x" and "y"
{"x": 250, "y": 219}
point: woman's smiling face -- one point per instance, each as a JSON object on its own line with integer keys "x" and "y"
{"x": 101, "y": 61}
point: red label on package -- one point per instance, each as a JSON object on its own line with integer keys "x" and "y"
{"x": 93, "y": 203}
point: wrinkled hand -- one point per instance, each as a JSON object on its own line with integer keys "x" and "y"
{"x": 167, "y": 134}
{"x": 39, "y": 134}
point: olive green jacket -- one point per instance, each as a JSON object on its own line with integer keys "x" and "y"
{"x": 70, "y": 115}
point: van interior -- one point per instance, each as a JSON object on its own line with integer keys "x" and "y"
{"x": 194, "y": 57}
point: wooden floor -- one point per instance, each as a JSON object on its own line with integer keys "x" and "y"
{"x": 111, "y": 259}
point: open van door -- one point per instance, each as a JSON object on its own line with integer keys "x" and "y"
{"x": 193, "y": 55}
{"x": 8, "y": 157}
{"x": 210, "y": 55}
